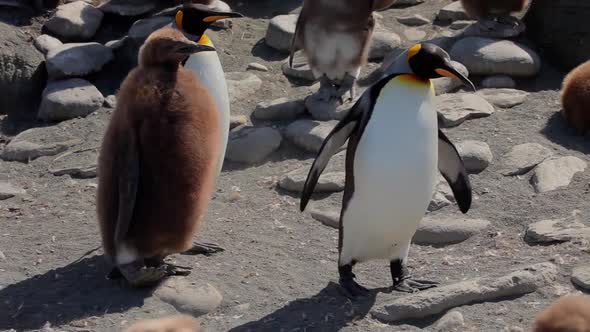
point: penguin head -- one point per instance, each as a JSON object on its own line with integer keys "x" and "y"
{"x": 168, "y": 46}
{"x": 194, "y": 19}
{"x": 429, "y": 61}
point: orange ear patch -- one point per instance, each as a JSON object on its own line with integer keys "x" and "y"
{"x": 414, "y": 50}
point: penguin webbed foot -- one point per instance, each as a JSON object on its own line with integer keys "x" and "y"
{"x": 348, "y": 85}
{"x": 403, "y": 282}
{"x": 327, "y": 89}
{"x": 204, "y": 248}
{"x": 140, "y": 275}
{"x": 347, "y": 282}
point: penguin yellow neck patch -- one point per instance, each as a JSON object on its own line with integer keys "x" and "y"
{"x": 414, "y": 50}
{"x": 179, "y": 16}
{"x": 205, "y": 41}
{"x": 414, "y": 80}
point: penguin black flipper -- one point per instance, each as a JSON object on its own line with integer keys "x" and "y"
{"x": 451, "y": 167}
{"x": 128, "y": 181}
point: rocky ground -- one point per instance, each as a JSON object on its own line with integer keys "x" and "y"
{"x": 524, "y": 243}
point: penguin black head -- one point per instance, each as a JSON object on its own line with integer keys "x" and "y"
{"x": 430, "y": 61}
{"x": 194, "y": 19}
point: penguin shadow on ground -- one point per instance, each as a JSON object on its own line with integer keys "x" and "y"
{"x": 558, "y": 131}
{"x": 59, "y": 296}
{"x": 267, "y": 53}
{"x": 329, "y": 310}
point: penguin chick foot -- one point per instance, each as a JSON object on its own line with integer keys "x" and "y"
{"x": 348, "y": 85}
{"x": 203, "y": 248}
{"x": 410, "y": 285}
{"x": 139, "y": 275}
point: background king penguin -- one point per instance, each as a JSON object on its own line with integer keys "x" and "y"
{"x": 394, "y": 150}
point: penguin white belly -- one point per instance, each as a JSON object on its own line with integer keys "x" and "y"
{"x": 207, "y": 67}
{"x": 394, "y": 173}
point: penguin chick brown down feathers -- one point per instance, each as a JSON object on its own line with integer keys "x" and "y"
{"x": 157, "y": 162}
{"x": 575, "y": 98}
{"x": 481, "y": 9}
{"x": 394, "y": 150}
{"x": 568, "y": 314}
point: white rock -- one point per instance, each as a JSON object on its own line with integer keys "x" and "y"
{"x": 300, "y": 70}
{"x": 128, "y": 7}
{"x": 77, "y": 59}
{"x": 556, "y": 172}
{"x": 451, "y": 322}
{"x": 280, "y": 32}
{"x": 76, "y": 20}
{"x": 237, "y": 120}
{"x": 44, "y": 43}
{"x": 110, "y": 101}
{"x": 498, "y": 81}
{"x": 581, "y": 276}
{"x": 413, "y": 20}
{"x": 252, "y": 144}
{"x": 558, "y": 230}
{"x": 36, "y": 142}
{"x": 193, "y": 298}
{"x": 485, "y": 56}
{"x": 330, "y": 218}
{"x": 141, "y": 29}
{"x": 8, "y": 190}
{"x": 504, "y": 98}
{"x": 455, "y": 109}
{"x": 242, "y": 85}
{"x": 414, "y": 34}
{"x": 383, "y": 43}
{"x": 453, "y": 12}
{"x": 462, "y": 24}
{"x": 524, "y": 157}
{"x": 309, "y": 134}
{"x": 444, "y": 85}
{"x": 476, "y": 155}
{"x": 257, "y": 66}
{"x": 68, "y": 99}
{"x": 448, "y": 230}
{"x": 279, "y": 109}
{"x": 328, "y": 182}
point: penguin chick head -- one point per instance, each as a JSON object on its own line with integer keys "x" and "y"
{"x": 194, "y": 19}
{"x": 168, "y": 46}
{"x": 568, "y": 314}
{"x": 429, "y": 61}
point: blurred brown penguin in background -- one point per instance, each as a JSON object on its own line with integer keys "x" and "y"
{"x": 158, "y": 162}
{"x": 575, "y": 98}
{"x": 176, "y": 323}
{"x": 213, "y": 4}
{"x": 568, "y": 314}
{"x": 487, "y": 11}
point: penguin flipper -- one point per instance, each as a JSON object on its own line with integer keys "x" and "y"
{"x": 128, "y": 180}
{"x": 451, "y": 167}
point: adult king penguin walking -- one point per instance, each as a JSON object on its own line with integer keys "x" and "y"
{"x": 394, "y": 150}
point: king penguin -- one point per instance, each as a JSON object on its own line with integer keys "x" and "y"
{"x": 393, "y": 152}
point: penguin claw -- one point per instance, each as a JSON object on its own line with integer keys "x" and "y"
{"x": 142, "y": 276}
{"x": 203, "y": 248}
{"x": 352, "y": 289}
{"x": 409, "y": 285}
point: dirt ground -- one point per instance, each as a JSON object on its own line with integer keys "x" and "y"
{"x": 279, "y": 271}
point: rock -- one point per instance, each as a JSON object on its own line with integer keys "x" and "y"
{"x": 44, "y": 43}
{"x": 444, "y": 85}
{"x": 451, "y": 322}
{"x": 110, "y": 101}
{"x": 22, "y": 73}
{"x": 485, "y": 56}
{"x": 326, "y": 110}
{"x": 36, "y": 142}
{"x": 498, "y": 81}
{"x": 309, "y": 134}
{"x": 252, "y": 144}
{"x": 68, "y": 99}
{"x": 141, "y": 29}
{"x": 524, "y": 157}
{"x": 556, "y": 172}
{"x": 300, "y": 70}
{"x": 443, "y": 195}
{"x": 171, "y": 323}
{"x": 476, "y": 155}
{"x": 462, "y": 24}
{"x": 437, "y": 300}
{"x": 279, "y": 109}
{"x": 327, "y": 183}
{"x": 193, "y": 298}
{"x": 581, "y": 276}
{"x": 116, "y": 44}
{"x": 500, "y": 30}
{"x": 241, "y": 85}
{"x": 413, "y": 20}
{"x": 77, "y": 59}
{"x": 514, "y": 329}
{"x": 80, "y": 165}
{"x": 504, "y": 98}
{"x": 8, "y": 190}
{"x": 558, "y": 230}
{"x": 128, "y": 7}
{"x": 257, "y": 66}
{"x": 76, "y": 20}
{"x": 454, "y": 109}
{"x": 414, "y": 34}
{"x": 280, "y": 32}
{"x": 407, "y": 3}
{"x": 328, "y": 218}
{"x": 453, "y": 12}
{"x": 383, "y": 43}
{"x": 448, "y": 230}
{"x": 237, "y": 120}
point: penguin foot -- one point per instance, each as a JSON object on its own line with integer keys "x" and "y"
{"x": 203, "y": 248}
{"x": 139, "y": 275}
{"x": 352, "y": 288}
{"x": 409, "y": 285}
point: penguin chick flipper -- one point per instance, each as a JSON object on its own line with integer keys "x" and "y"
{"x": 138, "y": 275}
{"x": 128, "y": 169}
{"x": 203, "y": 248}
{"x": 451, "y": 167}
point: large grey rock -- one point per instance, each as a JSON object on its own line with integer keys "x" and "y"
{"x": 330, "y": 218}
{"x": 300, "y": 69}
{"x": 44, "y": 43}
{"x": 309, "y": 134}
{"x": 8, "y": 190}
{"x": 499, "y": 30}
{"x": 68, "y": 99}
{"x": 476, "y": 155}
{"x": 498, "y": 82}
{"x": 128, "y": 7}
{"x": 252, "y": 144}
{"x": 77, "y": 59}
{"x": 556, "y": 172}
{"x": 453, "y": 12}
{"x": 325, "y": 110}
{"x": 328, "y": 182}
{"x": 413, "y": 20}
{"x": 444, "y": 85}
{"x": 451, "y": 322}
{"x": 193, "y": 298}
{"x": 80, "y": 165}
{"x": 279, "y": 109}
{"x": 241, "y": 85}
{"x": 75, "y": 21}
{"x": 581, "y": 276}
{"x": 485, "y": 56}
{"x": 440, "y": 299}
{"x": 442, "y": 196}
{"x": 37, "y": 142}
{"x": 448, "y": 230}
{"x": 141, "y": 29}
{"x": 524, "y": 157}
{"x": 454, "y": 109}
{"x": 280, "y": 32}
{"x": 557, "y": 230}
{"x": 383, "y": 43}
{"x": 22, "y": 71}
{"x": 415, "y": 34}
{"x": 504, "y": 98}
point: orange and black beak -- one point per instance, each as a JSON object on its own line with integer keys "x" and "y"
{"x": 188, "y": 48}
{"x": 449, "y": 70}
{"x": 220, "y": 16}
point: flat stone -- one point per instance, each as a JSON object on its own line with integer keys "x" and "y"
{"x": 413, "y": 20}
{"x": 279, "y": 109}
{"x": 184, "y": 323}
{"x": 280, "y": 32}
{"x": 556, "y": 172}
{"x": 476, "y": 155}
{"x": 44, "y": 43}
{"x": 444, "y": 85}
{"x": 300, "y": 70}
{"x": 524, "y": 157}
{"x": 330, "y": 218}
{"x": 110, "y": 101}
{"x": 79, "y": 165}
{"x": 453, "y": 12}
{"x": 77, "y": 59}
{"x": 500, "y": 30}
{"x": 68, "y": 99}
{"x": 581, "y": 276}
{"x": 557, "y": 230}
{"x": 448, "y": 230}
{"x": 257, "y": 66}
{"x": 128, "y": 7}
{"x": 252, "y": 144}
{"x": 452, "y": 321}
{"x": 328, "y": 182}
{"x": 407, "y": 3}
{"x": 116, "y": 43}
{"x": 8, "y": 190}
{"x": 327, "y": 110}
{"x": 36, "y": 142}
{"x": 242, "y": 85}
{"x": 309, "y": 134}
{"x": 503, "y": 98}
{"x": 454, "y": 109}
{"x": 498, "y": 81}
{"x": 485, "y": 56}
{"x": 462, "y": 24}
{"x": 414, "y": 34}
{"x": 76, "y": 20}
{"x": 141, "y": 29}
{"x": 440, "y": 299}
{"x": 383, "y": 43}
{"x": 237, "y": 120}
{"x": 193, "y": 298}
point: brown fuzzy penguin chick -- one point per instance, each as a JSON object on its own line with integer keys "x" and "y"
{"x": 575, "y": 98}
{"x": 567, "y": 314}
